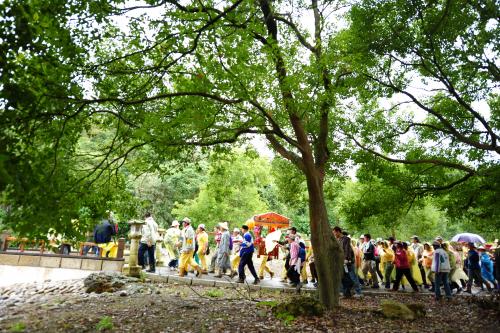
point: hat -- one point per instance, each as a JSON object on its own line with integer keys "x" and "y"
{"x": 224, "y": 225}
{"x": 438, "y": 238}
{"x": 202, "y": 226}
{"x": 481, "y": 248}
{"x": 362, "y": 236}
{"x": 379, "y": 239}
{"x": 414, "y": 237}
{"x": 186, "y": 220}
{"x": 236, "y": 230}
{"x": 175, "y": 223}
{"x": 436, "y": 244}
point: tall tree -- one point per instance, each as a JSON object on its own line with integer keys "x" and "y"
{"x": 207, "y": 73}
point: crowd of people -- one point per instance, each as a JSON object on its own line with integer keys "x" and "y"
{"x": 392, "y": 263}
{"x": 431, "y": 265}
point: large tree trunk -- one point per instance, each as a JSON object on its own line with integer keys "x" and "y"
{"x": 328, "y": 255}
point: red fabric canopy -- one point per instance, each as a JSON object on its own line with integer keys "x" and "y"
{"x": 271, "y": 219}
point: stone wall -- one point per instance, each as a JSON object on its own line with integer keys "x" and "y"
{"x": 61, "y": 261}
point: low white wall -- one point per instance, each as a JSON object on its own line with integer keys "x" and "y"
{"x": 26, "y": 274}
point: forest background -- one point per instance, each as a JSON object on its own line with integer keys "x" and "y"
{"x": 234, "y": 184}
{"x": 65, "y": 160}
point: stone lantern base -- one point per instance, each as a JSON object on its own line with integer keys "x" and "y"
{"x": 134, "y": 271}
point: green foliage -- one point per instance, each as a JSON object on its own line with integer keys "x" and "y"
{"x": 106, "y": 323}
{"x": 158, "y": 193}
{"x": 231, "y": 192}
{"x": 286, "y": 317}
{"x": 18, "y": 327}
{"x": 427, "y": 98}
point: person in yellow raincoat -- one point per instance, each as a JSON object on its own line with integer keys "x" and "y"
{"x": 358, "y": 254}
{"x": 415, "y": 271}
{"x": 260, "y": 245}
{"x": 187, "y": 249}
{"x": 386, "y": 263}
{"x": 237, "y": 240}
{"x": 426, "y": 260}
{"x": 171, "y": 241}
{"x": 202, "y": 238}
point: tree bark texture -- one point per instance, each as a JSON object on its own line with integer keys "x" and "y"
{"x": 328, "y": 256}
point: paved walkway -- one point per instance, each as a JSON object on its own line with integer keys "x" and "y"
{"x": 164, "y": 274}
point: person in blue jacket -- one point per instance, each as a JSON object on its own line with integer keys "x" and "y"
{"x": 246, "y": 255}
{"x": 474, "y": 269}
{"x": 486, "y": 266}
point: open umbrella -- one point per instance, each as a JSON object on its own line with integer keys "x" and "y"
{"x": 270, "y": 238}
{"x": 467, "y": 237}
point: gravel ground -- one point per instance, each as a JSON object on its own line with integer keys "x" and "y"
{"x": 156, "y": 307}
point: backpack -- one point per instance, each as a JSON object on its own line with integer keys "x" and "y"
{"x": 230, "y": 243}
{"x": 302, "y": 254}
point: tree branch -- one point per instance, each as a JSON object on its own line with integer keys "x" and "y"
{"x": 439, "y": 162}
{"x": 297, "y": 32}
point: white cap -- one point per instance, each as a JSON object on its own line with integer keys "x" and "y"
{"x": 175, "y": 223}
{"x": 236, "y": 230}
{"x": 186, "y": 220}
{"x": 202, "y": 226}
{"x": 224, "y": 225}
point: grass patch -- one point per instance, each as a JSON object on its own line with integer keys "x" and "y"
{"x": 106, "y": 323}
{"x": 214, "y": 293}
{"x": 18, "y": 327}
{"x": 286, "y": 317}
{"x": 270, "y": 304}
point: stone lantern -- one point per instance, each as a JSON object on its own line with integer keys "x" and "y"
{"x": 133, "y": 269}
{"x": 159, "y": 246}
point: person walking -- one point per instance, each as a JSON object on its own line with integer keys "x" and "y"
{"x": 217, "y": 236}
{"x": 312, "y": 266}
{"x": 387, "y": 263}
{"x": 486, "y": 267}
{"x": 402, "y": 268}
{"x": 418, "y": 249}
{"x": 237, "y": 240}
{"x": 474, "y": 269}
{"x": 369, "y": 260}
{"x": 349, "y": 260}
{"x": 148, "y": 243}
{"x": 453, "y": 267}
{"x": 426, "y": 261}
{"x": 187, "y": 249}
{"x": 171, "y": 241}
{"x": 260, "y": 245}
{"x": 202, "y": 238}
{"x": 293, "y": 272}
{"x": 441, "y": 268}
{"x": 412, "y": 260}
{"x": 223, "y": 252}
{"x": 246, "y": 254}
